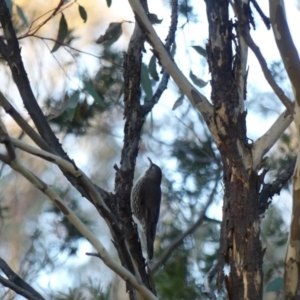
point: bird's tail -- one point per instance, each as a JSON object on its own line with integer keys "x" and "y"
{"x": 150, "y": 242}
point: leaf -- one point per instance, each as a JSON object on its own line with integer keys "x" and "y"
{"x": 82, "y": 13}
{"x": 198, "y": 81}
{"x": 111, "y": 35}
{"x": 89, "y": 87}
{"x": 73, "y": 100}
{"x": 275, "y": 285}
{"x": 146, "y": 82}
{"x": 80, "y": 110}
{"x": 152, "y": 68}
{"x": 154, "y": 19}
{"x": 62, "y": 33}
{"x": 67, "y": 104}
{"x": 173, "y": 50}
{"x": 108, "y": 2}
{"x": 200, "y": 50}
{"x": 178, "y": 102}
{"x": 22, "y": 16}
{"x": 71, "y": 113}
{"x": 9, "y": 5}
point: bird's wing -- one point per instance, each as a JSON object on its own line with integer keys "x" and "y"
{"x": 152, "y": 203}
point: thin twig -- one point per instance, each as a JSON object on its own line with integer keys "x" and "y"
{"x": 207, "y": 280}
{"x": 267, "y": 73}
{"x": 16, "y": 283}
{"x": 83, "y": 229}
{"x": 178, "y": 240}
{"x": 169, "y": 41}
{"x": 265, "y": 19}
{"x": 275, "y": 187}
{"x": 23, "y": 124}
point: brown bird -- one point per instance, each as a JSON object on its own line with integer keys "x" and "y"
{"x": 145, "y": 202}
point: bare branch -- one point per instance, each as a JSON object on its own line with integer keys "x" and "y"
{"x": 17, "y": 289}
{"x": 22, "y": 82}
{"x": 266, "y": 141}
{"x": 16, "y": 283}
{"x": 267, "y": 73}
{"x": 207, "y": 280}
{"x": 270, "y": 189}
{"x": 262, "y": 15}
{"x": 169, "y": 41}
{"x": 196, "y": 98}
{"x": 285, "y": 44}
{"x": 81, "y": 227}
{"x": 4, "y": 138}
{"x": 23, "y": 124}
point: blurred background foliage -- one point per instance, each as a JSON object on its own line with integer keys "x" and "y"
{"x": 75, "y": 64}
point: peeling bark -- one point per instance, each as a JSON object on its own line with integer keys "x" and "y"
{"x": 240, "y": 246}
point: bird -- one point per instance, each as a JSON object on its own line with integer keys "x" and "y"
{"x": 145, "y": 203}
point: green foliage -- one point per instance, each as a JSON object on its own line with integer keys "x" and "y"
{"x": 74, "y": 113}
{"x": 274, "y": 237}
{"x": 154, "y": 19}
{"x": 62, "y": 34}
{"x": 186, "y": 9}
{"x": 146, "y": 83}
{"x": 197, "y": 162}
{"x": 111, "y": 35}
{"x": 91, "y": 290}
{"x": 200, "y": 50}
{"x": 275, "y": 285}
{"x": 278, "y": 71}
{"x": 198, "y": 81}
{"x": 22, "y": 15}
{"x": 174, "y": 280}
{"x": 178, "y": 102}
{"x": 83, "y": 13}
{"x": 9, "y": 5}
{"x": 285, "y": 154}
{"x": 152, "y": 68}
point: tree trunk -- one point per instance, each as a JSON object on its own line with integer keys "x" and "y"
{"x": 240, "y": 248}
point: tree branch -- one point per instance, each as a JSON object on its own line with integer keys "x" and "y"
{"x": 285, "y": 45}
{"x": 20, "y": 77}
{"x": 266, "y": 141}
{"x": 270, "y": 189}
{"x": 207, "y": 280}
{"x": 169, "y": 41}
{"x": 16, "y": 283}
{"x": 267, "y": 73}
{"x": 198, "y": 100}
{"x": 23, "y": 124}
{"x": 81, "y": 227}
{"x": 265, "y": 19}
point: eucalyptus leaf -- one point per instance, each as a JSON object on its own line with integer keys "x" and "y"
{"x": 89, "y": 87}
{"x": 275, "y": 285}
{"x": 200, "y": 50}
{"x": 198, "y": 81}
{"x": 152, "y": 68}
{"x": 146, "y": 82}
{"x": 82, "y": 13}
{"x": 178, "y": 102}
{"x": 62, "y": 33}
{"x": 111, "y": 35}
{"x": 22, "y": 16}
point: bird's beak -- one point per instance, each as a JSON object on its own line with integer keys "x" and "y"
{"x": 151, "y": 163}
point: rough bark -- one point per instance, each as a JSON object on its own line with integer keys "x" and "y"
{"x": 240, "y": 246}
